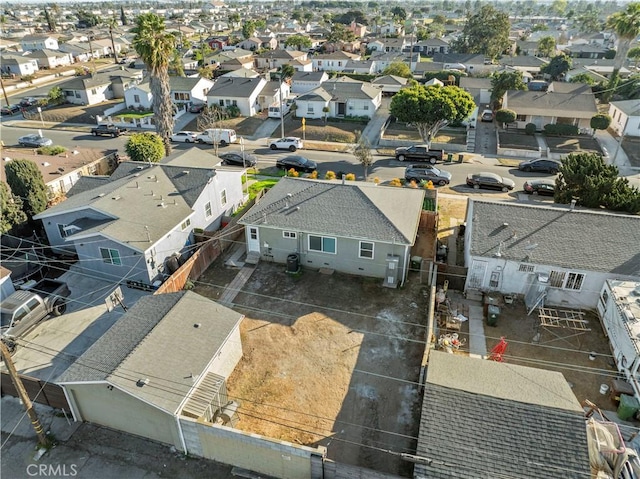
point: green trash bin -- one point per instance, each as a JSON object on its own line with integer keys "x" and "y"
{"x": 450, "y": 157}
{"x": 493, "y": 312}
{"x": 460, "y": 158}
{"x": 628, "y": 407}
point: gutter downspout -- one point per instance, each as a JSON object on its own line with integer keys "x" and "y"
{"x": 72, "y": 405}
{"x": 182, "y": 441}
{"x": 405, "y": 271}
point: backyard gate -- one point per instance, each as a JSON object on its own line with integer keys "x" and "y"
{"x": 38, "y": 391}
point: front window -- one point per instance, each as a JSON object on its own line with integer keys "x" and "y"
{"x": 223, "y": 197}
{"x": 574, "y": 281}
{"x": 185, "y": 224}
{"x": 136, "y": 98}
{"x": 207, "y": 210}
{"x": 289, "y": 234}
{"x": 556, "y": 279}
{"x": 62, "y": 230}
{"x": 323, "y": 244}
{"x": 110, "y": 256}
{"x": 366, "y": 250}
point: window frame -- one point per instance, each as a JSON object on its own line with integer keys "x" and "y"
{"x": 322, "y": 244}
{"x": 223, "y": 197}
{"x": 289, "y": 235}
{"x": 208, "y": 210}
{"x": 361, "y": 249}
{"x": 111, "y": 258}
{"x": 185, "y": 224}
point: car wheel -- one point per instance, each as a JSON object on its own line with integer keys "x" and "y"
{"x": 505, "y": 189}
{"x": 527, "y": 169}
{"x": 534, "y": 192}
{"x": 94, "y": 133}
{"x": 553, "y": 171}
{"x": 476, "y": 187}
{"x": 442, "y": 182}
{"x": 223, "y": 143}
{"x": 199, "y": 141}
{"x": 187, "y": 141}
{"x": 433, "y": 160}
{"x": 401, "y": 157}
{"x": 412, "y": 179}
{"x": 113, "y": 135}
{"x": 59, "y": 307}
{"x": 273, "y": 147}
{"x": 292, "y": 148}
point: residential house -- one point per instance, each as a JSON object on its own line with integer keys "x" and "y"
{"x": 139, "y": 96}
{"x": 586, "y": 51}
{"x": 79, "y": 51}
{"x": 336, "y": 61}
{"x": 38, "y": 42}
{"x": 51, "y": 58}
{"x": 431, "y": 46}
{"x": 383, "y": 59}
{"x": 94, "y": 89}
{"x": 390, "y": 84}
{"x": 104, "y": 47}
{"x": 16, "y": 64}
{"x": 529, "y": 65}
{"x": 240, "y": 92}
{"x": 478, "y": 88}
{"x": 241, "y": 73}
{"x": 393, "y": 45}
{"x": 490, "y": 419}
{"x": 234, "y": 64}
{"x": 258, "y": 43}
{"x": 218, "y": 58}
{"x": 298, "y": 216}
{"x": 274, "y": 59}
{"x": 352, "y": 46}
{"x": 358, "y": 29}
{"x": 189, "y": 90}
{"x": 544, "y": 107}
{"x": 142, "y": 215}
{"x": 556, "y": 254}
{"x": 272, "y": 93}
{"x": 145, "y": 383}
{"x": 343, "y": 96}
{"x": 61, "y": 172}
{"x": 303, "y": 82}
{"x": 365, "y": 67}
{"x": 218, "y": 43}
{"x": 600, "y": 66}
{"x": 471, "y": 63}
{"x": 595, "y": 77}
{"x": 625, "y": 116}
{"x": 573, "y": 88}
{"x": 392, "y": 29}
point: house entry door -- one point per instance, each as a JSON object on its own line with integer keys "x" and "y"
{"x": 475, "y": 279}
{"x": 253, "y": 240}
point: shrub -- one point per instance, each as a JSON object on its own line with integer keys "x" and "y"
{"x": 506, "y": 116}
{"x": 350, "y": 177}
{"x": 330, "y": 175}
{"x": 412, "y": 184}
{"x": 51, "y": 150}
{"x": 530, "y": 129}
{"x": 560, "y": 129}
{"x": 292, "y": 172}
{"x": 233, "y": 111}
{"x": 427, "y": 185}
{"x": 376, "y": 180}
{"x": 395, "y": 182}
{"x": 601, "y": 121}
{"x": 314, "y": 175}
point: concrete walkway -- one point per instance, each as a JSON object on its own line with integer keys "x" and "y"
{"x": 542, "y": 144}
{"x": 477, "y": 340}
{"x": 373, "y": 128}
{"x": 613, "y": 153}
{"x": 236, "y": 285}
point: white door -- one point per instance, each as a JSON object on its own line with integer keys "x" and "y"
{"x": 476, "y": 274}
{"x": 253, "y": 241}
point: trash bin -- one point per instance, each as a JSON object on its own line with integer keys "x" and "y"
{"x": 628, "y": 407}
{"x": 416, "y": 263}
{"x": 460, "y": 158}
{"x": 450, "y": 157}
{"x": 493, "y": 312}
{"x": 293, "y": 261}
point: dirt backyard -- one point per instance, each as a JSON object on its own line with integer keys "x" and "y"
{"x": 331, "y": 360}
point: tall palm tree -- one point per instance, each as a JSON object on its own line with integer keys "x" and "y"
{"x": 156, "y": 46}
{"x": 112, "y": 24}
{"x": 626, "y": 25}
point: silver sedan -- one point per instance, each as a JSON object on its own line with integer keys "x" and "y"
{"x": 34, "y": 141}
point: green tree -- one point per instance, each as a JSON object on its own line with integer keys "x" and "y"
{"x": 399, "y": 14}
{"x": 559, "y": 7}
{"x": 626, "y": 25}
{"x": 248, "y": 28}
{"x": 399, "y": 69}
{"x": 234, "y": 19}
{"x": 11, "y": 213}
{"x": 586, "y": 178}
{"x": 176, "y": 67}
{"x": 634, "y": 54}
{"x": 299, "y": 42}
{"x": 155, "y": 46}
{"x": 506, "y": 116}
{"x": 51, "y": 23}
{"x": 296, "y": 15}
{"x": 501, "y": 82}
{"x": 123, "y": 17}
{"x": 363, "y": 154}
{"x": 583, "y": 78}
{"x": 431, "y": 108}
{"x": 558, "y": 66}
{"x": 55, "y": 96}
{"x": 145, "y": 146}
{"x": 547, "y": 46}
{"x": 601, "y": 121}
{"x": 486, "y": 32}
{"x": 87, "y": 18}
{"x": 339, "y": 33}
{"x": 26, "y": 182}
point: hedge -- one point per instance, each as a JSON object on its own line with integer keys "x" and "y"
{"x": 561, "y": 130}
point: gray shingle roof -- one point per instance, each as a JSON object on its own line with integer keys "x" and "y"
{"x": 483, "y": 419}
{"x": 390, "y": 80}
{"x": 235, "y": 87}
{"x": 352, "y": 210}
{"x": 572, "y": 105}
{"x": 579, "y": 239}
{"x": 183, "y": 83}
{"x": 143, "y": 342}
{"x": 629, "y": 107}
{"x": 346, "y": 88}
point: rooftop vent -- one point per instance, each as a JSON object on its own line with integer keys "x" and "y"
{"x": 142, "y": 382}
{"x": 116, "y": 198}
{"x": 46, "y": 163}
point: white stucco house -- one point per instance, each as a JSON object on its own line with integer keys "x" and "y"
{"x": 343, "y": 97}
{"x": 555, "y": 254}
{"x": 303, "y": 82}
{"x": 240, "y": 92}
{"x": 139, "y": 96}
{"x": 625, "y": 117}
{"x": 38, "y": 42}
{"x": 17, "y": 64}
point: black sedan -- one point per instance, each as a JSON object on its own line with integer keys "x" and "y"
{"x": 540, "y": 187}
{"x": 490, "y": 181}
{"x": 542, "y": 165}
{"x": 10, "y": 109}
{"x": 298, "y": 163}
{"x": 239, "y": 159}
{"x": 34, "y": 141}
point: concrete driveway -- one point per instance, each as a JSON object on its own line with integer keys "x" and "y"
{"x": 49, "y": 349}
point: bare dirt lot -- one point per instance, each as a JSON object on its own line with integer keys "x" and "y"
{"x": 329, "y": 360}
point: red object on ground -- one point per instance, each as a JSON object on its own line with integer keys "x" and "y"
{"x": 498, "y": 350}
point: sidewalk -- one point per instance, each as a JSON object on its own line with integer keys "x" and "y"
{"x": 613, "y": 153}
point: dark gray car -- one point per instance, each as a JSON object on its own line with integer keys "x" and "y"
{"x": 427, "y": 173}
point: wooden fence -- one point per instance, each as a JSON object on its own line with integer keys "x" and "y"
{"x": 38, "y": 390}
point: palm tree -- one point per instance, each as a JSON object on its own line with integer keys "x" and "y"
{"x": 112, "y": 24}
{"x": 626, "y": 25}
{"x": 156, "y": 46}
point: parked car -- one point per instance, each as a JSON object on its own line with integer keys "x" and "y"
{"x": 108, "y": 130}
{"x": 239, "y": 159}
{"x": 428, "y": 173}
{"x": 197, "y": 108}
{"x": 10, "y": 109}
{"x": 543, "y": 165}
{"x": 490, "y": 181}
{"x": 28, "y": 101}
{"x": 298, "y": 163}
{"x": 487, "y": 115}
{"x": 291, "y": 143}
{"x": 418, "y": 153}
{"x": 34, "y": 141}
{"x": 540, "y": 187}
{"x": 184, "y": 137}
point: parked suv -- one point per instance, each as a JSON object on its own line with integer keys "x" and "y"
{"x": 428, "y": 173}
{"x": 418, "y": 153}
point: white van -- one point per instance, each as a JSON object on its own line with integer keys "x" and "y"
{"x": 223, "y": 136}
{"x": 274, "y": 110}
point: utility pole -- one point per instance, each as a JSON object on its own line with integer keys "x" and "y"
{"x": 281, "y": 107}
{"x": 43, "y": 440}
{"x": 4, "y": 92}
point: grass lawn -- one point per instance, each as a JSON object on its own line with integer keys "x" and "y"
{"x": 316, "y": 130}
{"x": 399, "y": 131}
{"x": 134, "y": 114}
{"x": 572, "y": 144}
{"x": 520, "y": 141}
{"x": 242, "y": 126}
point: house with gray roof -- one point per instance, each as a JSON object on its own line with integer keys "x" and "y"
{"x": 51, "y": 58}
{"x": 555, "y": 254}
{"x": 94, "y": 89}
{"x": 130, "y": 226}
{"x": 38, "y": 42}
{"x": 168, "y": 356}
{"x": 547, "y": 107}
{"x": 352, "y": 227}
{"x": 303, "y": 82}
{"x": 390, "y": 84}
{"x": 336, "y": 61}
{"x": 139, "y": 96}
{"x": 342, "y": 96}
{"x": 490, "y": 419}
{"x": 189, "y": 90}
{"x": 240, "y": 92}
{"x": 625, "y": 117}
{"x": 17, "y": 64}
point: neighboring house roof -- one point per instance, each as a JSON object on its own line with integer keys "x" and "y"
{"x": 522, "y": 61}
{"x": 556, "y": 236}
{"x": 390, "y": 80}
{"x": 235, "y": 87}
{"x": 345, "y": 88}
{"x": 309, "y": 76}
{"x": 628, "y": 107}
{"x": 566, "y": 87}
{"x": 186, "y": 83}
{"x": 86, "y": 183}
{"x": 142, "y": 343}
{"x": 281, "y": 54}
{"x": 571, "y": 105}
{"x": 141, "y": 206}
{"x": 99, "y": 79}
{"x": 241, "y": 72}
{"x": 46, "y": 53}
{"x": 475, "y": 83}
{"x": 319, "y": 94}
{"x": 351, "y": 210}
{"x": 489, "y": 419}
{"x": 464, "y": 58}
